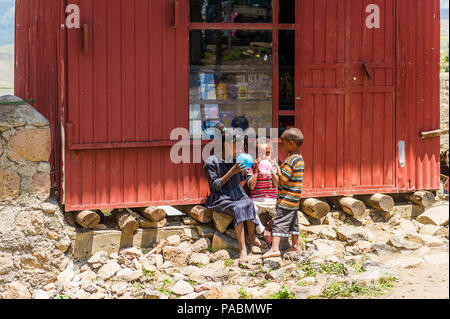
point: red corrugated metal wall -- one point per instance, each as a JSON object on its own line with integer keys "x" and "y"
{"x": 131, "y": 89}
{"x": 418, "y": 56}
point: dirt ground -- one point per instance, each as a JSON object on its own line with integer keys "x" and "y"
{"x": 426, "y": 281}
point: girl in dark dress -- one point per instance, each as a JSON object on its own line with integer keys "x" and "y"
{"x": 228, "y": 197}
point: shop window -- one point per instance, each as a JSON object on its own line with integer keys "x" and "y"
{"x": 287, "y": 70}
{"x": 230, "y": 76}
{"x": 287, "y": 11}
{"x": 231, "y": 11}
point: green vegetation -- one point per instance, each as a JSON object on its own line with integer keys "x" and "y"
{"x": 312, "y": 269}
{"x": 136, "y": 285}
{"x": 283, "y": 293}
{"x": 351, "y": 290}
{"x": 303, "y": 284}
{"x": 163, "y": 289}
{"x": 243, "y": 294}
{"x": 62, "y": 297}
{"x": 200, "y": 265}
{"x": 445, "y": 61}
{"x": 228, "y": 263}
{"x": 148, "y": 273}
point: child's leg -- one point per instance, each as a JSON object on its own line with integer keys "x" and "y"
{"x": 275, "y": 250}
{"x": 240, "y": 234}
{"x": 260, "y": 227}
{"x": 295, "y": 231}
{"x": 251, "y": 235}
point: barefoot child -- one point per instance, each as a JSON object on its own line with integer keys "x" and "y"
{"x": 227, "y": 195}
{"x": 285, "y": 221}
{"x": 263, "y": 187}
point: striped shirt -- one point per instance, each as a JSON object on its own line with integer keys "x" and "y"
{"x": 264, "y": 187}
{"x": 291, "y": 182}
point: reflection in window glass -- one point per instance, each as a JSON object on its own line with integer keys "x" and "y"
{"x": 231, "y": 11}
{"x": 230, "y": 76}
{"x": 287, "y": 11}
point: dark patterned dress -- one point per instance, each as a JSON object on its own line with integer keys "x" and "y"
{"x": 229, "y": 199}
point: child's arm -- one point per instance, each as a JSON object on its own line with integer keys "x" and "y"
{"x": 275, "y": 175}
{"x": 254, "y": 179}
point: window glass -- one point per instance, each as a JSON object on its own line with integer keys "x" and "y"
{"x": 230, "y": 77}
{"x": 231, "y": 11}
{"x": 287, "y": 70}
{"x": 287, "y": 11}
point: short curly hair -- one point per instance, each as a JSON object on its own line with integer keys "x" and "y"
{"x": 294, "y": 135}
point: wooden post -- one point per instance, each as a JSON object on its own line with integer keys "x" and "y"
{"x": 126, "y": 222}
{"x": 351, "y": 206}
{"x": 379, "y": 201}
{"x": 87, "y": 219}
{"x": 154, "y": 214}
{"x": 422, "y": 198}
{"x": 315, "y": 208}
{"x": 200, "y": 213}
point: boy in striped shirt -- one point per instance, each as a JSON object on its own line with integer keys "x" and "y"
{"x": 285, "y": 221}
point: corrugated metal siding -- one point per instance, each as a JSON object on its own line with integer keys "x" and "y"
{"x": 36, "y": 64}
{"x": 131, "y": 89}
{"x": 418, "y": 51}
{"x": 125, "y": 97}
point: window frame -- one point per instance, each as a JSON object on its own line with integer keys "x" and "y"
{"x": 275, "y": 27}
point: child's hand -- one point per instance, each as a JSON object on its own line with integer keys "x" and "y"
{"x": 257, "y": 166}
{"x": 238, "y": 168}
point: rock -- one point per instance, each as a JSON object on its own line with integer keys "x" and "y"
{"x": 302, "y": 220}
{"x": 196, "y": 295}
{"x": 49, "y": 208}
{"x": 131, "y": 253}
{"x": 221, "y": 241}
{"x": 328, "y": 247}
{"x": 207, "y": 286}
{"x": 273, "y": 263}
{"x": 229, "y": 292}
{"x": 9, "y": 185}
{"x": 128, "y": 275}
{"x": 374, "y": 275}
{"x": 222, "y": 221}
{"x": 382, "y": 249}
{"x": 256, "y": 250}
{"x": 231, "y": 232}
{"x": 100, "y": 257}
{"x": 437, "y": 215}
{"x": 432, "y": 241}
{"x": 151, "y": 294}
{"x": 364, "y": 247}
{"x": 277, "y": 275}
{"x": 174, "y": 240}
{"x": 209, "y": 275}
{"x": 66, "y": 276}
{"x": 201, "y": 246}
{"x": 119, "y": 288}
{"x": 422, "y": 251}
{"x": 6, "y": 263}
{"x": 17, "y": 290}
{"x": 101, "y": 227}
{"x": 198, "y": 258}
{"x": 430, "y": 230}
{"x": 402, "y": 242}
{"x": 220, "y": 255}
{"x": 108, "y": 270}
{"x": 306, "y": 291}
{"x": 352, "y": 234}
{"x": 176, "y": 255}
{"x": 87, "y": 275}
{"x": 437, "y": 259}
{"x": 404, "y": 262}
{"x": 156, "y": 260}
{"x": 442, "y": 232}
{"x": 182, "y": 288}
{"x": 191, "y": 233}
{"x": 407, "y": 226}
{"x": 41, "y": 186}
{"x": 31, "y": 145}
{"x": 98, "y": 296}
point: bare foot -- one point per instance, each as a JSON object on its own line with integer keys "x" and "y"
{"x": 293, "y": 250}
{"x": 271, "y": 254}
{"x": 255, "y": 241}
{"x": 243, "y": 256}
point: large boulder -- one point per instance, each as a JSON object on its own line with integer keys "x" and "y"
{"x": 222, "y": 221}
{"x": 437, "y": 215}
{"x": 351, "y": 234}
{"x": 221, "y": 241}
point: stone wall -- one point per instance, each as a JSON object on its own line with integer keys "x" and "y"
{"x": 33, "y": 240}
{"x": 444, "y": 109}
